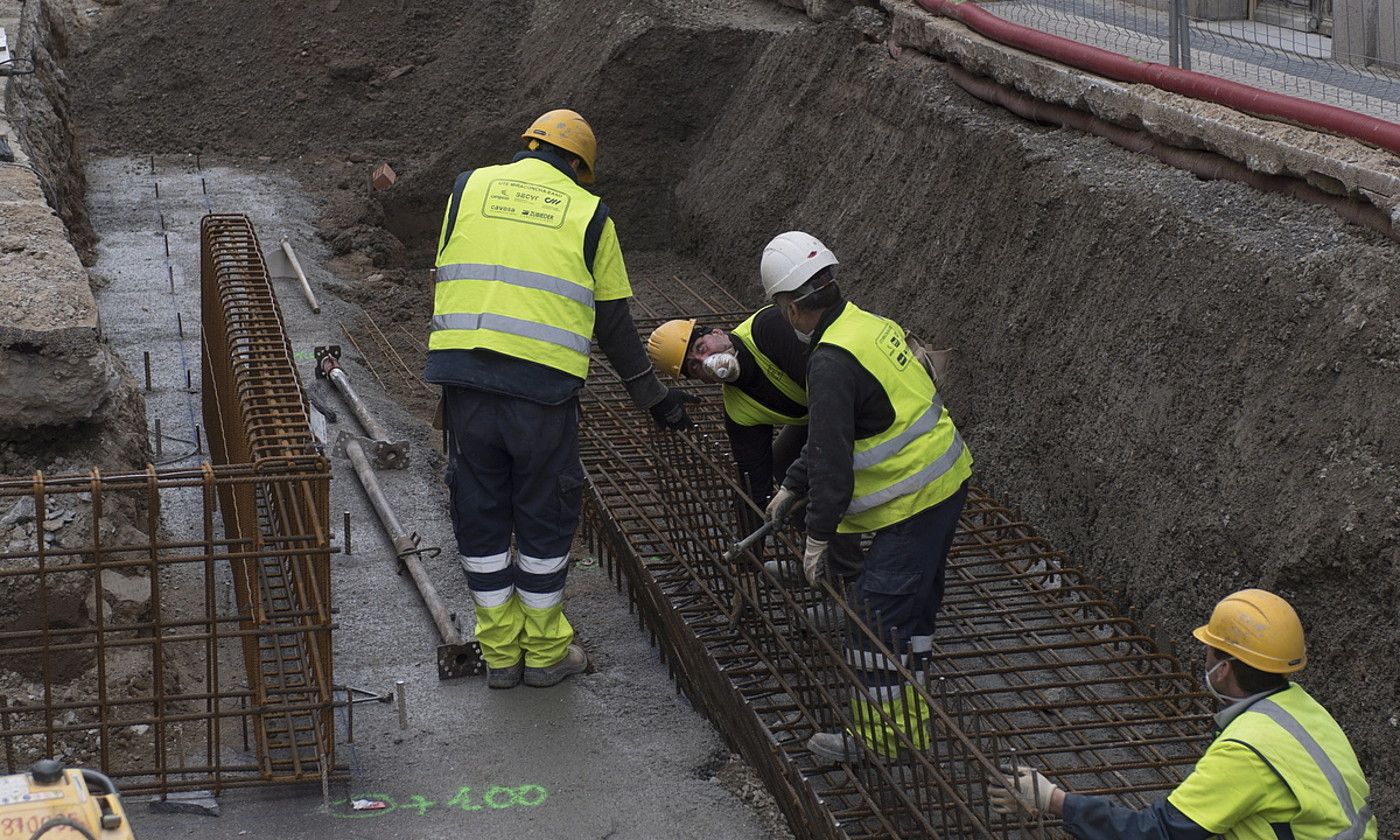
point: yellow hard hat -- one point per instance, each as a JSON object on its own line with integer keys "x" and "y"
{"x": 668, "y": 343}
{"x": 570, "y": 132}
{"x": 1258, "y": 628}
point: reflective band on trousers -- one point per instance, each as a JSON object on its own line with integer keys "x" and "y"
{"x": 913, "y": 483}
{"x": 516, "y": 277}
{"x": 1279, "y": 715}
{"x": 891, "y": 447}
{"x": 513, "y": 326}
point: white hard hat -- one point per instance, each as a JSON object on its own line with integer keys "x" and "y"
{"x": 790, "y": 260}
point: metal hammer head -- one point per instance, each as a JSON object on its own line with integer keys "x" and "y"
{"x": 460, "y": 660}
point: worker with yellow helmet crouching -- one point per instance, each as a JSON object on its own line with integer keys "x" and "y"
{"x": 1280, "y": 766}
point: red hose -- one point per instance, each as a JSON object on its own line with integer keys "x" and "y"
{"x": 1245, "y": 98}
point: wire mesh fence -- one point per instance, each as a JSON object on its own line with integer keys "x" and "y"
{"x": 1338, "y": 52}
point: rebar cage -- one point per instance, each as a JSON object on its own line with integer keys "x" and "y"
{"x": 1032, "y": 663}
{"x": 174, "y": 625}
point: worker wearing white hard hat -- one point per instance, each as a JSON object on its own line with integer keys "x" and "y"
{"x": 1280, "y": 766}
{"x": 882, "y": 456}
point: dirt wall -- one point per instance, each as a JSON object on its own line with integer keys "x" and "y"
{"x": 39, "y": 105}
{"x": 1187, "y": 385}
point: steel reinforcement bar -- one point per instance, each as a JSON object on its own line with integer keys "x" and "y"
{"x": 1032, "y": 663}
{"x": 256, "y": 412}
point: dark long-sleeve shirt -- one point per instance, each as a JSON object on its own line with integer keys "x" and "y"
{"x": 846, "y": 403}
{"x": 775, "y": 339}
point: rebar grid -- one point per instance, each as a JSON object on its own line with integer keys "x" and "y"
{"x": 256, "y": 412}
{"x": 173, "y": 649}
{"x": 1032, "y": 663}
{"x": 133, "y": 641}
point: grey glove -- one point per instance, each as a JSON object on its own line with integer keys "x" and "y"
{"x": 1027, "y": 790}
{"x": 780, "y": 505}
{"x": 814, "y": 561}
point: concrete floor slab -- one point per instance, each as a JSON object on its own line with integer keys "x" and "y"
{"x": 614, "y": 753}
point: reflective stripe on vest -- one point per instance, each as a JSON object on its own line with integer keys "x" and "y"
{"x": 1359, "y": 820}
{"x": 516, "y": 277}
{"x": 920, "y": 459}
{"x": 913, "y": 483}
{"x": 511, "y": 273}
{"x": 513, "y": 326}
{"x": 747, "y": 410}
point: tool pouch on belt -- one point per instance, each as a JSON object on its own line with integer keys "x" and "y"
{"x": 934, "y": 361}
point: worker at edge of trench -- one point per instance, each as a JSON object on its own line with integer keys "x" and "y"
{"x": 529, "y": 270}
{"x": 1280, "y": 766}
{"x": 882, "y": 456}
{"x": 762, "y": 367}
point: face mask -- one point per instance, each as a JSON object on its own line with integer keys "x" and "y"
{"x": 723, "y": 366}
{"x": 804, "y": 337}
{"x": 1211, "y": 688}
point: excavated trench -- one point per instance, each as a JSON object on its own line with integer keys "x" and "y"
{"x": 1186, "y": 385}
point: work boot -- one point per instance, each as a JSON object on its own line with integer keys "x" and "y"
{"x": 505, "y": 677}
{"x": 834, "y": 747}
{"x": 574, "y": 662}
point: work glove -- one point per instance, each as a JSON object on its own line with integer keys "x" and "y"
{"x": 1027, "y": 790}
{"x": 670, "y": 413}
{"x": 780, "y": 505}
{"x": 814, "y": 561}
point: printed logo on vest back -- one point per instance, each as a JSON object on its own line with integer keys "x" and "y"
{"x": 521, "y": 201}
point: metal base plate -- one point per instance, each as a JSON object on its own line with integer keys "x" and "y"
{"x": 383, "y": 454}
{"x": 462, "y": 660}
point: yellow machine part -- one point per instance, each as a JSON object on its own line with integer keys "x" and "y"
{"x": 26, "y": 805}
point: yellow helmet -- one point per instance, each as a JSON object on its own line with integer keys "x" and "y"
{"x": 668, "y": 343}
{"x": 570, "y": 132}
{"x": 1258, "y": 628}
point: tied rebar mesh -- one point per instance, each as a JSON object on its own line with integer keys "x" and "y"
{"x": 1032, "y": 664}
{"x": 172, "y": 627}
{"x": 256, "y": 413}
{"x": 1338, "y": 52}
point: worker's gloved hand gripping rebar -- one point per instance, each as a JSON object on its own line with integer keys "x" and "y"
{"x": 670, "y": 413}
{"x": 1026, "y": 790}
{"x": 780, "y": 505}
{"x": 814, "y": 561}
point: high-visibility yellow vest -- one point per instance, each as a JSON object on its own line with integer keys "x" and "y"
{"x": 747, "y": 410}
{"x": 1311, "y": 754}
{"x": 511, "y": 276}
{"x": 918, "y": 461}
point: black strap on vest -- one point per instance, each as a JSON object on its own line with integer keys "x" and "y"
{"x": 457, "y": 189}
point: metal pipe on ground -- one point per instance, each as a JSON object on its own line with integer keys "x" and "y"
{"x": 388, "y": 454}
{"x": 456, "y": 656}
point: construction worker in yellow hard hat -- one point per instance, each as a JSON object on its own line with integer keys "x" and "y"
{"x": 529, "y": 271}
{"x": 884, "y": 457}
{"x": 763, "y": 367}
{"x": 1280, "y": 766}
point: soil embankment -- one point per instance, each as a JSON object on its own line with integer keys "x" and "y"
{"x": 1187, "y": 385}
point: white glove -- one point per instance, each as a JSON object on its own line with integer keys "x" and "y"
{"x": 723, "y": 366}
{"x": 814, "y": 561}
{"x": 1028, "y": 790}
{"x": 780, "y": 505}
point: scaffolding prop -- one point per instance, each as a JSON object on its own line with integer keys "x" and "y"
{"x": 456, "y": 655}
